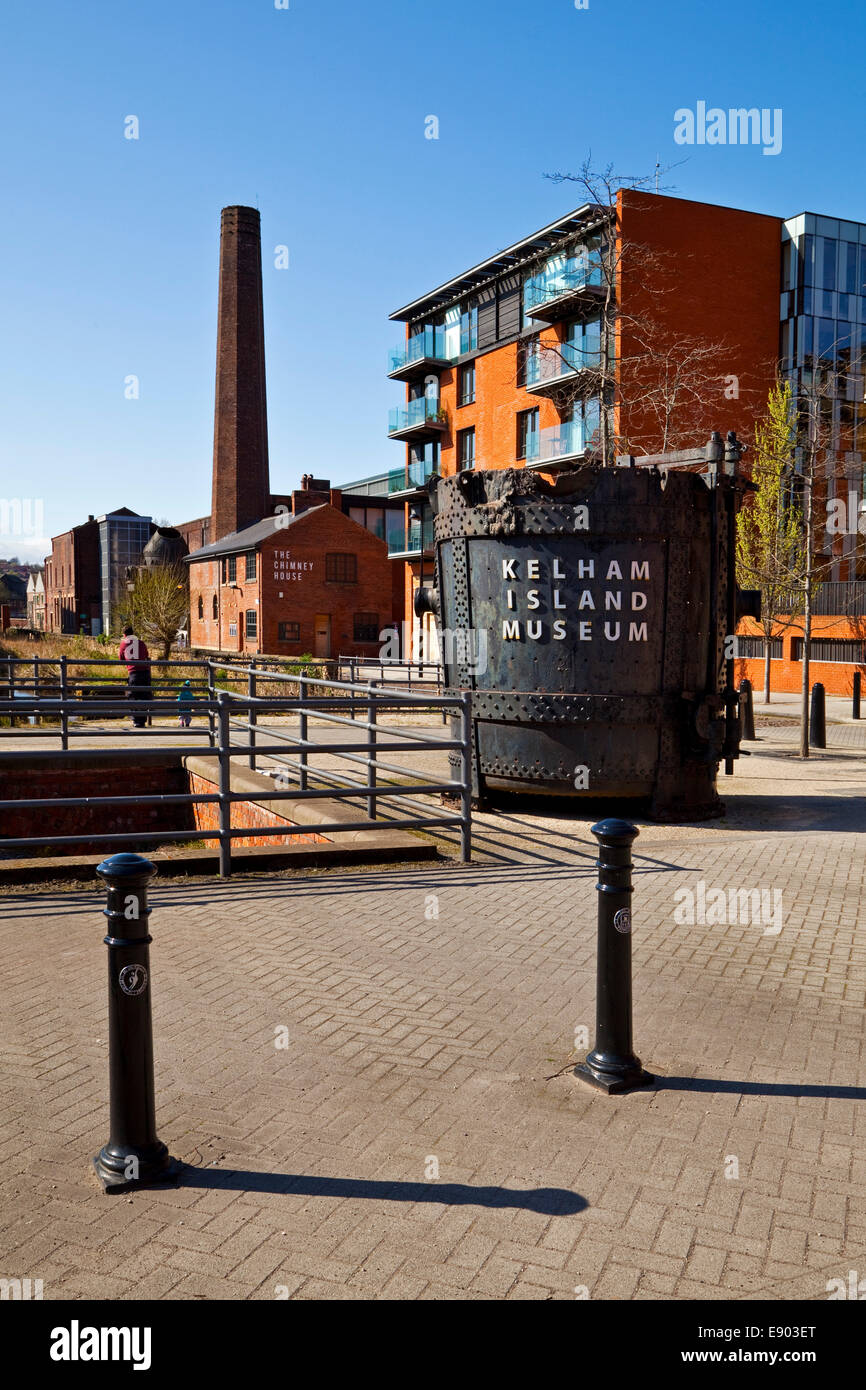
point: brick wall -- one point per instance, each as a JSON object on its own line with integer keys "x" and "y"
{"x": 786, "y": 675}
{"x": 25, "y": 778}
{"x": 244, "y": 813}
{"x": 708, "y": 273}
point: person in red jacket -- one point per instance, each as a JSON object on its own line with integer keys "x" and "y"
{"x": 133, "y": 652}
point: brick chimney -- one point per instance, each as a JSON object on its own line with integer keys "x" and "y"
{"x": 241, "y": 483}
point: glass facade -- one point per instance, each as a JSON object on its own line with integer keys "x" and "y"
{"x": 121, "y": 541}
{"x": 823, "y": 340}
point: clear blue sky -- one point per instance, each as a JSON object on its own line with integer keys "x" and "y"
{"x": 109, "y": 246}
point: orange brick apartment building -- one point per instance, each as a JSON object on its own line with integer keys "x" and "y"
{"x": 500, "y": 362}
{"x": 315, "y": 583}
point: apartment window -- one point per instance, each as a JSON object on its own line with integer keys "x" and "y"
{"x": 366, "y": 627}
{"x": 252, "y": 626}
{"x": 251, "y": 564}
{"x": 290, "y": 632}
{"x": 527, "y": 434}
{"x": 469, "y": 329}
{"x": 466, "y": 387}
{"x": 341, "y": 568}
{"x": 200, "y": 607}
{"x": 214, "y": 607}
{"x": 527, "y": 355}
{"x": 230, "y": 569}
{"x": 465, "y": 449}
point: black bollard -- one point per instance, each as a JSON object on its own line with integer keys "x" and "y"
{"x": 817, "y": 718}
{"x": 133, "y": 1156}
{"x": 612, "y": 1066}
{"x": 855, "y": 708}
{"x": 747, "y": 711}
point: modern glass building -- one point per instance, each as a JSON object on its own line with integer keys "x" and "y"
{"x": 122, "y": 538}
{"x": 823, "y": 349}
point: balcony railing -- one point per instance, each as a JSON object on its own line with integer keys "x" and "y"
{"x": 551, "y": 290}
{"x": 557, "y": 445}
{"x": 422, "y": 349}
{"x": 415, "y": 475}
{"x": 409, "y": 540}
{"x": 834, "y": 598}
{"x": 420, "y": 416}
{"x": 550, "y": 366}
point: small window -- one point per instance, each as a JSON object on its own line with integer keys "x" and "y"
{"x": 341, "y": 568}
{"x": 466, "y": 387}
{"x": 233, "y": 629}
{"x": 290, "y": 632}
{"x": 366, "y": 627}
{"x": 252, "y": 622}
{"x": 527, "y": 434}
{"x": 465, "y": 449}
{"x": 200, "y": 606}
{"x": 251, "y": 564}
{"x": 215, "y": 608}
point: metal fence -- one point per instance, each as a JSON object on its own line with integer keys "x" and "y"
{"x": 234, "y": 732}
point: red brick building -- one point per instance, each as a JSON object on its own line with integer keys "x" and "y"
{"x": 73, "y": 593}
{"x": 314, "y": 582}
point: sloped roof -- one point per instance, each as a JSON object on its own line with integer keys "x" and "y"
{"x": 252, "y": 537}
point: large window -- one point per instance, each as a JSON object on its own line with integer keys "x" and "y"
{"x": 252, "y": 623}
{"x": 465, "y": 449}
{"x": 230, "y": 569}
{"x": 290, "y": 632}
{"x": 341, "y": 568}
{"x": 527, "y": 434}
{"x": 466, "y": 387}
{"x": 251, "y": 564}
{"x": 366, "y": 627}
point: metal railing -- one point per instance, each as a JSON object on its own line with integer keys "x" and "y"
{"x": 234, "y": 732}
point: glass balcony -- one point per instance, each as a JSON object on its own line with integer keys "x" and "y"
{"x": 554, "y": 292}
{"x": 559, "y": 445}
{"x": 412, "y": 478}
{"x": 422, "y": 352}
{"x": 416, "y": 419}
{"x": 552, "y": 367}
{"x": 408, "y": 540}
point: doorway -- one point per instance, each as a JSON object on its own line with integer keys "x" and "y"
{"x": 323, "y": 635}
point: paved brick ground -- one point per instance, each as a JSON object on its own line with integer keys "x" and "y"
{"x": 416, "y": 1037}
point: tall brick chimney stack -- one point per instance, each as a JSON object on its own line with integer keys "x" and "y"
{"x": 241, "y": 482}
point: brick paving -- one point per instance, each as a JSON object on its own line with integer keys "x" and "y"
{"x": 433, "y": 1014}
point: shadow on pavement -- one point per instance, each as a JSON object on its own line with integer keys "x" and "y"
{"x": 759, "y": 1088}
{"x": 551, "y": 1201}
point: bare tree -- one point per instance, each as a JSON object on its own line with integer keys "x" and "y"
{"x": 159, "y": 604}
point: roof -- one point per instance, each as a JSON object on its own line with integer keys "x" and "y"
{"x": 252, "y": 537}
{"x": 521, "y": 251}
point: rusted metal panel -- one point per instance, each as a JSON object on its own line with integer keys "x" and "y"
{"x": 604, "y": 601}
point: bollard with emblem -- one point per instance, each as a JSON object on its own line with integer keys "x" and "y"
{"x": 612, "y": 1066}
{"x": 133, "y": 1156}
{"x": 818, "y": 718}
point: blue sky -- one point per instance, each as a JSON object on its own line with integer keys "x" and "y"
{"x": 316, "y": 114}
